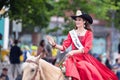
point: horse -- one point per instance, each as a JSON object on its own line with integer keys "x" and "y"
{"x": 35, "y": 68}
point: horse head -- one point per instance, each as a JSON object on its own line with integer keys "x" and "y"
{"x": 31, "y": 68}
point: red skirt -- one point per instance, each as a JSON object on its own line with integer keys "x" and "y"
{"x": 86, "y": 67}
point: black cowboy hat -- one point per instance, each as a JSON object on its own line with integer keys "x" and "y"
{"x": 83, "y": 15}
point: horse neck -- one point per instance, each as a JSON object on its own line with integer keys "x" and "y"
{"x": 49, "y": 70}
{"x": 39, "y": 75}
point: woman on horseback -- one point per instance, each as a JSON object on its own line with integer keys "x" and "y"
{"x": 80, "y": 65}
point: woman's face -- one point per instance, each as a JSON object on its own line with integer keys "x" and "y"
{"x": 79, "y": 22}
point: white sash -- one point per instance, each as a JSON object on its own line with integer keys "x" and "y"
{"x": 75, "y": 39}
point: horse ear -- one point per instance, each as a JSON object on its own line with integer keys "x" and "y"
{"x": 38, "y": 57}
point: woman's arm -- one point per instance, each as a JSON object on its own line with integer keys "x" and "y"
{"x": 60, "y": 47}
{"x": 88, "y": 42}
{"x": 75, "y": 52}
{"x": 66, "y": 43}
{"x": 53, "y": 43}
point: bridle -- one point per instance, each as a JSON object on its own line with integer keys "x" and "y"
{"x": 30, "y": 61}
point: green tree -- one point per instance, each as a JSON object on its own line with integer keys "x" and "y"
{"x": 100, "y": 8}
{"x": 37, "y": 12}
{"x": 105, "y": 8}
{"x": 31, "y": 12}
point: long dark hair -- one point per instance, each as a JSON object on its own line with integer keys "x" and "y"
{"x": 87, "y": 26}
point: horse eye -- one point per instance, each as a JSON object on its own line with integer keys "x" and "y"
{"x": 32, "y": 70}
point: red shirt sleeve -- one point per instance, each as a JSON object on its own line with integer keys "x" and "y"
{"x": 88, "y": 42}
{"x": 67, "y": 42}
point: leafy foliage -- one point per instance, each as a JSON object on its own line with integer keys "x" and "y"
{"x": 37, "y": 12}
{"x": 32, "y": 12}
{"x": 102, "y": 9}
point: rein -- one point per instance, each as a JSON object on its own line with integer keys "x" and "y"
{"x": 30, "y": 61}
{"x": 61, "y": 62}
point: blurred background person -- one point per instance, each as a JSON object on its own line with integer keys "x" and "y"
{"x": 4, "y": 74}
{"x": 108, "y": 62}
{"x": 116, "y": 67}
{"x": 15, "y": 53}
{"x": 42, "y": 49}
{"x": 26, "y": 50}
{"x": 119, "y": 48}
{"x": 54, "y": 55}
{"x": 60, "y": 56}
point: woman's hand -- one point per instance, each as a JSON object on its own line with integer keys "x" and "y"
{"x": 51, "y": 40}
{"x": 74, "y": 52}
{"x": 69, "y": 54}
